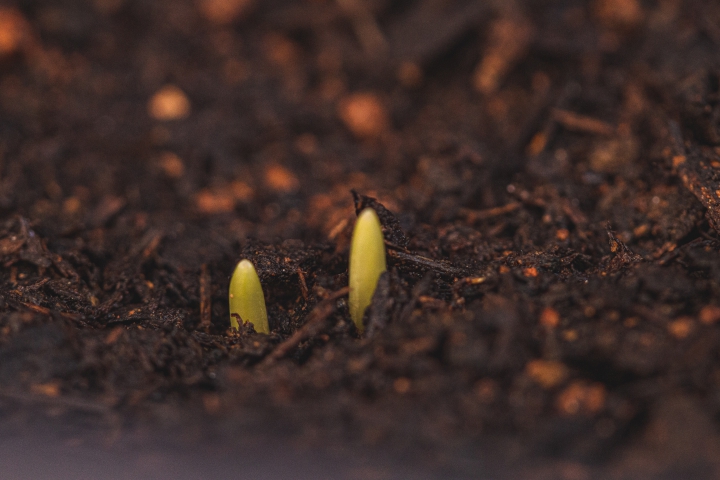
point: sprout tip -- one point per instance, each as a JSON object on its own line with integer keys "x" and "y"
{"x": 247, "y": 301}
{"x": 367, "y": 263}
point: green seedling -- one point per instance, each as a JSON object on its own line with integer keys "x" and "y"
{"x": 247, "y": 302}
{"x": 367, "y": 262}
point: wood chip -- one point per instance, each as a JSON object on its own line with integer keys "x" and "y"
{"x": 509, "y": 40}
{"x": 475, "y": 215}
{"x": 402, "y": 385}
{"x": 582, "y": 397}
{"x": 280, "y": 179}
{"x": 546, "y": 373}
{"x": 211, "y": 202}
{"x": 709, "y": 314}
{"x": 619, "y": 13}
{"x": 681, "y": 328}
{"x": 364, "y": 115}
{"x": 549, "y": 318}
{"x": 114, "y": 335}
{"x": 242, "y": 191}
{"x": 169, "y": 103}
{"x": 530, "y": 272}
{"x": 50, "y": 389}
{"x": 172, "y": 165}
{"x": 14, "y": 30}
{"x": 224, "y": 12}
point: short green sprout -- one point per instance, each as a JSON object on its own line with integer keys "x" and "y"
{"x": 247, "y": 301}
{"x": 367, "y": 263}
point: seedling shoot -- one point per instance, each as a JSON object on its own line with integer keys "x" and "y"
{"x": 247, "y": 301}
{"x": 367, "y": 263}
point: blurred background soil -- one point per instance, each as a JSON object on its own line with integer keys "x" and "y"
{"x": 548, "y": 177}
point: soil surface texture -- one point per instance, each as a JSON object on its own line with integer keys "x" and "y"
{"x": 547, "y": 174}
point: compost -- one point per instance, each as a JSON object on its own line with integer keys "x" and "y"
{"x": 547, "y": 174}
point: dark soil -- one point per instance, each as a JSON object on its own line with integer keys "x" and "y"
{"x": 547, "y": 174}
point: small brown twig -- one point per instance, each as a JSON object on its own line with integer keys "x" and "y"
{"x": 315, "y": 320}
{"x": 393, "y": 246}
{"x": 14, "y": 299}
{"x": 475, "y": 215}
{"x": 582, "y": 123}
{"x": 441, "y": 267}
{"x": 61, "y": 401}
{"x": 152, "y": 245}
{"x": 303, "y": 284}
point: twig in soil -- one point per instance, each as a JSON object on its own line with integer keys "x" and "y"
{"x": 335, "y": 231}
{"x": 311, "y": 328}
{"x": 392, "y": 246}
{"x": 666, "y": 254}
{"x": 34, "y": 286}
{"x": 47, "y": 311}
{"x": 535, "y": 143}
{"x": 205, "y": 299}
{"x": 475, "y": 215}
{"x": 303, "y": 284}
{"x": 441, "y": 267}
{"x": 147, "y": 245}
{"x": 699, "y": 172}
{"x": 153, "y": 243}
{"x": 581, "y": 123}
{"x": 74, "y": 403}
{"x": 508, "y": 42}
{"x": 17, "y": 303}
